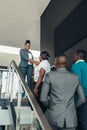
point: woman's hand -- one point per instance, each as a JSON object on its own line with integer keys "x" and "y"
{"x": 31, "y": 61}
{"x": 40, "y": 78}
{"x": 36, "y": 91}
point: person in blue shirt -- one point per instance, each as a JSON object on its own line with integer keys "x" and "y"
{"x": 26, "y": 65}
{"x": 80, "y": 68}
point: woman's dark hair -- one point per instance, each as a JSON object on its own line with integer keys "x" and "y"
{"x": 44, "y": 55}
{"x": 27, "y": 42}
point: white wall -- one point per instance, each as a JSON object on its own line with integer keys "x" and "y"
{"x": 20, "y": 20}
{"x": 5, "y": 58}
{"x": 7, "y": 54}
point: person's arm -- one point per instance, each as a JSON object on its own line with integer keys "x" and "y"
{"x": 76, "y": 70}
{"x": 24, "y": 54}
{"x": 80, "y": 96}
{"x": 35, "y": 62}
{"x": 31, "y": 58}
{"x": 40, "y": 78}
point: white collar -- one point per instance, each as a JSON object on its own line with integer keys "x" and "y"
{"x": 79, "y": 61}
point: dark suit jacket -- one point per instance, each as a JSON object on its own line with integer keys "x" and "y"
{"x": 61, "y": 86}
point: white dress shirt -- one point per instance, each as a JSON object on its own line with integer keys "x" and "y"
{"x": 30, "y": 57}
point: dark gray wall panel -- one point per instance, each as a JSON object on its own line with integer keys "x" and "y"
{"x": 82, "y": 44}
{"x": 72, "y": 29}
{"x": 53, "y": 16}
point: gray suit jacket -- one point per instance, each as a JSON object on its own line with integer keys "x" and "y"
{"x": 24, "y": 58}
{"x": 61, "y": 86}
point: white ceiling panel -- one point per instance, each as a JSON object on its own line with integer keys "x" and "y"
{"x": 20, "y": 20}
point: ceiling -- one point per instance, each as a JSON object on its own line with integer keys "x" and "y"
{"x": 20, "y": 20}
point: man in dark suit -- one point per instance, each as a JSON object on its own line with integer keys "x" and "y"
{"x": 26, "y": 66}
{"x": 60, "y": 86}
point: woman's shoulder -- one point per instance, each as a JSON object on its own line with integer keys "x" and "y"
{"x": 22, "y": 49}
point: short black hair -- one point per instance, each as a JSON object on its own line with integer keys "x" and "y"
{"x": 44, "y": 55}
{"x": 81, "y": 53}
{"x": 27, "y": 42}
{"x": 62, "y": 55}
{"x": 61, "y": 60}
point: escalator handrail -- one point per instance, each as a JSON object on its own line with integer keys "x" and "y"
{"x": 39, "y": 114}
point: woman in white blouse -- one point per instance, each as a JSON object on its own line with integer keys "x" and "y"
{"x": 40, "y": 71}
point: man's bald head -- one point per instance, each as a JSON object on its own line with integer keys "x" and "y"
{"x": 61, "y": 61}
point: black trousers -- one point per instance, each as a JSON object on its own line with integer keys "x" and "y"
{"x": 82, "y": 116}
{"x": 38, "y": 97}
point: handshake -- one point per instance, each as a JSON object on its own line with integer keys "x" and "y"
{"x": 33, "y": 61}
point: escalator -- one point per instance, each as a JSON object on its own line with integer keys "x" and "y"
{"x": 7, "y": 115}
{"x": 17, "y": 113}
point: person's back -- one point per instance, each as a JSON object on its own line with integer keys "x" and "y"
{"x": 61, "y": 86}
{"x": 80, "y": 68}
{"x": 64, "y": 84}
{"x": 62, "y": 107}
